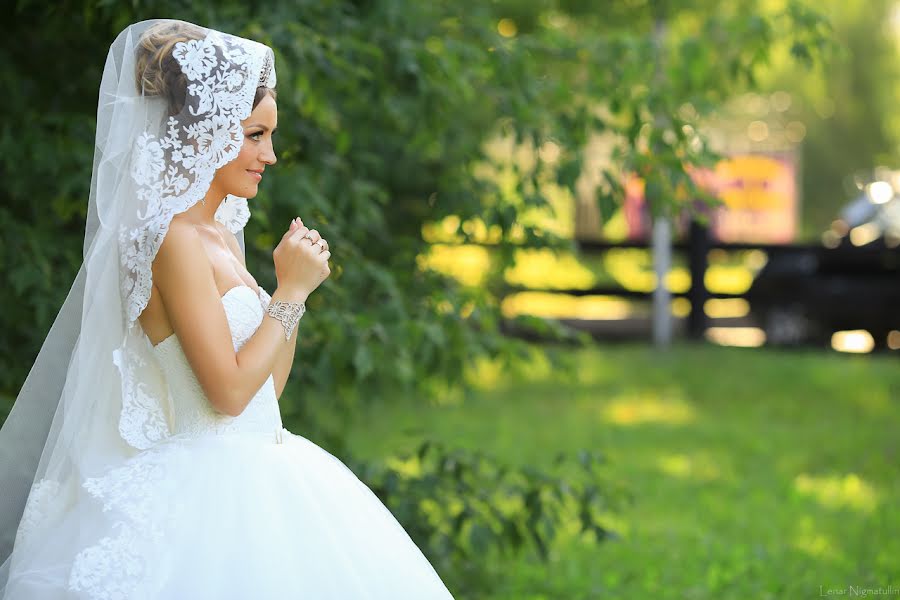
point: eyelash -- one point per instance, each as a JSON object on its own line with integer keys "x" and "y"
{"x": 251, "y": 135}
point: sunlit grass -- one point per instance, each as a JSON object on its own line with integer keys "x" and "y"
{"x": 755, "y": 473}
{"x": 641, "y": 408}
{"x": 700, "y": 467}
{"x": 835, "y": 491}
{"x": 815, "y": 543}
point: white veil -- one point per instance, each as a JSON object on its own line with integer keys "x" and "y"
{"x": 95, "y": 395}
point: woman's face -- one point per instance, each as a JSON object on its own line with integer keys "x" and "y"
{"x": 241, "y": 176}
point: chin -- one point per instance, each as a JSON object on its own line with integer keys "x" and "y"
{"x": 247, "y": 193}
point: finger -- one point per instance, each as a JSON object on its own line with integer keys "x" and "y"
{"x": 298, "y": 233}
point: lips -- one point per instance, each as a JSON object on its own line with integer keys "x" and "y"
{"x": 257, "y": 175}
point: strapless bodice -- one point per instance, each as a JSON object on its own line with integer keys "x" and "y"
{"x": 191, "y": 411}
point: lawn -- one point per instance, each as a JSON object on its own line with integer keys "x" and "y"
{"x": 753, "y": 473}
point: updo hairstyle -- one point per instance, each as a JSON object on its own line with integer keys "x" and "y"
{"x": 157, "y": 73}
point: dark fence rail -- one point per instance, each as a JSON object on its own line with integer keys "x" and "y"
{"x": 697, "y": 247}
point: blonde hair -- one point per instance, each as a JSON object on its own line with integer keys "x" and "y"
{"x": 157, "y": 73}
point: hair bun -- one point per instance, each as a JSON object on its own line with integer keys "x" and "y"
{"x": 157, "y": 71}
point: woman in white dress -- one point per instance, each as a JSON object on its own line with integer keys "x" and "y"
{"x": 145, "y": 455}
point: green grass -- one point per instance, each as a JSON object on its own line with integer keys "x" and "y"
{"x": 754, "y": 473}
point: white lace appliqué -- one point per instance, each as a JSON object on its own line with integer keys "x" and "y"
{"x": 170, "y": 173}
{"x": 137, "y": 494}
{"x": 233, "y": 213}
{"x": 114, "y": 567}
{"x": 142, "y": 421}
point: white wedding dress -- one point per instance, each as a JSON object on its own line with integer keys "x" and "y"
{"x": 225, "y": 508}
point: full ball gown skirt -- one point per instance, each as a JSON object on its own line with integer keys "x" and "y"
{"x": 225, "y": 508}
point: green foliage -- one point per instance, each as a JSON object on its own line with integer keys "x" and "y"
{"x": 385, "y": 109}
{"x": 487, "y": 510}
{"x": 848, "y": 108}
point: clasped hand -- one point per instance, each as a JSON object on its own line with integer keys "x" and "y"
{"x": 301, "y": 260}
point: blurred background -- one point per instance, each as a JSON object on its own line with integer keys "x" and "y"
{"x": 614, "y": 300}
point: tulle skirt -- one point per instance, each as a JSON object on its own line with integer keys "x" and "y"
{"x": 236, "y": 516}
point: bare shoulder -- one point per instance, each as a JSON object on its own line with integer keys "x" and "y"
{"x": 181, "y": 231}
{"x": 179, "y": 243}
{"x": 181, "y": 256}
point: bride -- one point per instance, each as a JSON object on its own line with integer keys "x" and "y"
{"x": 145, "y": 455}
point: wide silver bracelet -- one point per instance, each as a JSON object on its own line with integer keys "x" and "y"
{"x": 288, "y": 313}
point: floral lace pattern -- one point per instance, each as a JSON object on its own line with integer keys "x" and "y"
{"x": 233, "y": 213}
{"x": 110, "y": 570}
{"x": 170, "y": 172}
{"x": 142, "y": 421}
{"x": 115, "y": 566}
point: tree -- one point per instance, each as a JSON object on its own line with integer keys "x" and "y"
{"x": 386, "y": 109}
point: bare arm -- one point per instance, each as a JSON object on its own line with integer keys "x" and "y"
{"x": 184, "y": 276}
{"x": 285, "y": 360}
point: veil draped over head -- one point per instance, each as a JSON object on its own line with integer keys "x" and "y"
{"x": 96, "y": 395}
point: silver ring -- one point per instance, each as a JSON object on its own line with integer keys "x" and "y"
{"x": 322, "y": 243}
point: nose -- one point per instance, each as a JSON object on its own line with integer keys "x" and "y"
{"x": 267, "y": 155}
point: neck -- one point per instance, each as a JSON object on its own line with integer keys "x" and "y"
{"x": 204, "y": 213}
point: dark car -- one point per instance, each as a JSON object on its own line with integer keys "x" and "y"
{"x": 850, "y": 282}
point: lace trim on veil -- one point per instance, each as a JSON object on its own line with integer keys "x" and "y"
{"x": 233, "y": 213}
{"x": 171, "y": 174}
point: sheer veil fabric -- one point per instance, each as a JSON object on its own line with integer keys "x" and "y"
{"x": 95, "y": 396}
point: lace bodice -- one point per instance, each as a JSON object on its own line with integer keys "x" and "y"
{"x": 192, "y": 413}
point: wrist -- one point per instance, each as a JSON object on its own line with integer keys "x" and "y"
{"x": 290, "y": 294}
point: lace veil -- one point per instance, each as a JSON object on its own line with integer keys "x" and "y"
{"x": 95, "y": 396}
